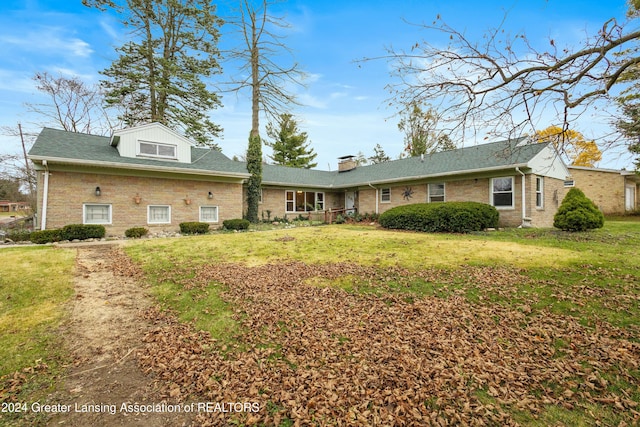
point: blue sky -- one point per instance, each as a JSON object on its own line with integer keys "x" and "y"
{"x": 345, "y": 109}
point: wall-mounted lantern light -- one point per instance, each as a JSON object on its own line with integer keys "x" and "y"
{"x": 187, "y": 200}
{"x": 98, "y": 192}
{"x": 137, "y": 199}
{"x": 210, "y": 195}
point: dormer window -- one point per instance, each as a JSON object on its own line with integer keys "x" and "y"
{"x": 155, "y": 149}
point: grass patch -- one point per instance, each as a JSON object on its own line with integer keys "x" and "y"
{"x": 204, "y": 307}
{"x": 360, "y": 244}
{"x": 34, "y": 286}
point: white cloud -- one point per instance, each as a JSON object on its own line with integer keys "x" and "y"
{"x": 48, "y": 41}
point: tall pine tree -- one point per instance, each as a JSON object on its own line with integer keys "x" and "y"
{"x": 159, "y": 74}
{"x": 290, "y": 147}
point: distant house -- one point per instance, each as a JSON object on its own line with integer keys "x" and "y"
{"x": 153, "y": 177}
{"x": 9, "y": 206}
{"x": 613, "y": 191}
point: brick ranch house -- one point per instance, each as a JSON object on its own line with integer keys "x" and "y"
{"x": 153, "y": 177}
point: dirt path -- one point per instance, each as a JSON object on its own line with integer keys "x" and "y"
{"x": 104, "y": 335}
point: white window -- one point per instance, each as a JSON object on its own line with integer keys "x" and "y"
{"x": 159, "y": 214}
{"x": 96, "y": 214}
{"x": 304, "y": 201}
{"x": 385, "y": 195}
{"x": 502, "y": 192}
{"x": 436, "y": 193}
{"x": 208, "y": 214}
{"x": 539, "y": 192}
{"x": 155, "y": 149}
{"x": 569, "y": 183}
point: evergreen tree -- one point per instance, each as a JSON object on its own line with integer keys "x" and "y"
{"x": 290, "y": 147}
{"x": 158, "y": 76}
{"x": 254, "y": 167}
{"x": 379, "y": 156}
{"x": 577, "y": 213}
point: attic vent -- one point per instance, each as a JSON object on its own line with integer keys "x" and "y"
{"x": 346, "y": 163}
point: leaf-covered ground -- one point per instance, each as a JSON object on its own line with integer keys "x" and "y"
{"x": 312, "y": 353}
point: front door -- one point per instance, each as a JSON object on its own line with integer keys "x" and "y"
{"x": 349, "y": 201}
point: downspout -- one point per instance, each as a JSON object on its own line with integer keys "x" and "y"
{"x": 45, "y": 196}
{"x": 524, "y": 206}
{"x": 376, "y": 196}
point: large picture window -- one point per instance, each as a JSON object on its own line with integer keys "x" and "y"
{"x": 436, "y": 193}
{"x": 159, "y": 214}
{"x": 304, "y": 201}
{"x": 502, "y": 192}
{"x": 96, "y": 214}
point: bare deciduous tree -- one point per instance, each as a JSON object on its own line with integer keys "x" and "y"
{"x": 261, "y": 71}
{"x": 503, "y": 85}
{"x": 72, "y": 104}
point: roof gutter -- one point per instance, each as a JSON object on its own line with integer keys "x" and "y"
{"x": 45, "y": 196}
{"x": 463, "y": 172}
{"x": 152, "y": 168}
{"x": 526, "y": 222}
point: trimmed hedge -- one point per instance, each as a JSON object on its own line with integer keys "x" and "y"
{"x": 447, "y": 217}
{"x": 45, "y": 236}
{"x": 194, "y": 227}
{"x": 577, "y": 213}
{"x": 136, "y": 232}
{"x": 82, "y": 232}
{"x": 236, "y": 224}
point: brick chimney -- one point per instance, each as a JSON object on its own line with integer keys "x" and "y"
{"x": 346, "y": 163}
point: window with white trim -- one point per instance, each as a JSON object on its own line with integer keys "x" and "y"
{"x": 208, "y": 214}
{"x": 156, "y": 149}
{"x": 304, "y": 201}
{"x": 502, "y": 192}
{"x": 436, "y": 192}
{"x": 159, "y": 214}
{"x": 385, "y": 195}
{"x": 96, "y": 214}
{"x": 569, "y": 183}
{"x": 539, "y": 192}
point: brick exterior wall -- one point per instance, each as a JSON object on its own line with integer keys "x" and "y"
{"x": 69, "y": 191}
{"x": 478, "y": 190}
{"x": 604, "y": 188}
{"x": 553, "y": 193}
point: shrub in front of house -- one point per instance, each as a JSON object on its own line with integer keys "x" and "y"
{"x": 447, "y": 217}
{"x": 82, "y": 232}
{"x": 236, "y": 224}
{"x": 577, "y": 213}
{"x": 136, "y": 232}
{"x": 194, "y": 227}
{"x": 45, "y": 236}
{"x": 19, "y": 235}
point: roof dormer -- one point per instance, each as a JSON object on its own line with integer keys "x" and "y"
{"x": 153, "y": 141}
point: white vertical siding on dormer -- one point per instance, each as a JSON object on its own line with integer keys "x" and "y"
{"x": 548, "y": 163}
{"x": 155, "y": 132}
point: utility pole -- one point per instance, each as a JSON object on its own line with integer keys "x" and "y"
{"x": 26, "y": 161}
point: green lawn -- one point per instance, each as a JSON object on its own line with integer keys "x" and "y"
{"x": 295, "y": 299}
{"x": 35, "y": 285}
{"x": 362, "y": 325}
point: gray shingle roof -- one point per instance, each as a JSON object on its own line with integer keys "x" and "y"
{"x": 91, "y": 149}
{"x": 478, "y": 158}
{"x": 96, "y": 150}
